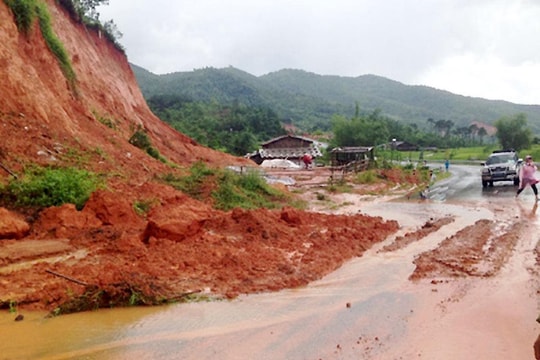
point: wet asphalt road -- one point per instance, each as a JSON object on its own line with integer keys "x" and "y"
{"x": 465, "y": 184}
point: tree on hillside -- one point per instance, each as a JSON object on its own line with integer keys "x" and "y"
{"x": 513, "y": 132}
{"x": 431, "y": 122}
{"x": 481, "y": 133}
{"x": 236, "y": 129}
{"x": 367, "y": 130}
{"x": 473, "y": 131}
{"x": 88, "y": 7}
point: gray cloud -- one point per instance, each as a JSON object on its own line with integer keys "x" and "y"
{"x": 449, "y": 44}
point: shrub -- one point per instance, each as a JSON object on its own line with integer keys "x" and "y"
{"x": 153, "y": 152}
{"x": 84, "y": 12}
{"x": 366, "y": 177}
{"x": 141, "y": 140}
{"x": 44, "y": 187}
{"x": 105, "y": 120}
{"x": 69, "y": 6}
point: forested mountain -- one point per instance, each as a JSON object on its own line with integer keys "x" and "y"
{"x": 309, "y": 100}
{"x": 230, "y": 85}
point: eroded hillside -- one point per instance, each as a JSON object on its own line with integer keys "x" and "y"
{"x": 62, "y": 257}
{"x": 41, "y": 113}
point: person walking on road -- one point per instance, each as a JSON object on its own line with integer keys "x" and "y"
{"x": 526, "y": 177}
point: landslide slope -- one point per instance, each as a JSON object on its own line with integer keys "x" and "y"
{"x": 106, "y": 254}
{"x": 41, "y": 114}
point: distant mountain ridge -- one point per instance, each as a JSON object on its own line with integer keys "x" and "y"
{"x": 309, "y": 100}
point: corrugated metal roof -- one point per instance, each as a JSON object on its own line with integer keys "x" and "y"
{"x": 284, "y": 153}
{"x": 352, "y": 149}
{"x": 287, "y": 136}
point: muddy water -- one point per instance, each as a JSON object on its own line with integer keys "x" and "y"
{"x": 365, "y": 310}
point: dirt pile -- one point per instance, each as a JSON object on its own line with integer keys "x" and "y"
{"x": 183, "y": 247}
{"x": 107, "y": 254}
{"x": 12, "y": 226}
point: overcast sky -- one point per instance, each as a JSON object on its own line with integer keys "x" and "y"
{"x": 482, "y": 48}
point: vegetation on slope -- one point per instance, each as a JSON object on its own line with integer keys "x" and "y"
{"x": 226, "y": 189}
{"x": 236, "y": 129}
{"x": 49, "y": 186}
{"x": 25, "y": 12}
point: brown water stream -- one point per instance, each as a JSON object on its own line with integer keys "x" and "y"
{"x": 368, "y": 309}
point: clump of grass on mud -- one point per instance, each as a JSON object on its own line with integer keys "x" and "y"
{"x": 142, "y": 207}
{"x": 394, "y": 177}
{"x": 117, "y": 295}
{"x": 246, "y": 191}
{"x": 124, "y": 294}
{"x": 340, "y": 186}
{"x": 45, "y": 187}
{"x": 141, "y": 140}
{"x": 366, "y": 177}
{"x": 227, "y": 189}
{"x": 192, "y": 184}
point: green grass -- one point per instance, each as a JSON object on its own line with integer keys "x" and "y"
{"x": 25, "y": 12}
{"x": 142, "y": 207}
{"x": 534, "y": 151}
{"x": 247, "y": 191}
{"x": 193, "y": 183}
{"x": 105, "y": 120}
{"x": 228, "y": 189}
{"x": 478, "y": 153}
{"x": 45, "y": 187}
{"x": 54, "y": 44}
{"x": 366, "y": 177}
{"x": 340, "y": 186}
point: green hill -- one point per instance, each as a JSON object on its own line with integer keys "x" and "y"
{"x": 309, "y": 100}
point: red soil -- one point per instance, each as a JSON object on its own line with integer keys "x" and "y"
{"x": 181, "y": 245}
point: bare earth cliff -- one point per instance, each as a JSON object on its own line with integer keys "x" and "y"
{"x": 65, "y": 257}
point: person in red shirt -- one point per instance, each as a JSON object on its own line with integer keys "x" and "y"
{"x": 307, "y": 159}
{"x": 526, "y": 176}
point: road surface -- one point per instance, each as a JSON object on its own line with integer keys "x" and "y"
{"x": 484, "y": 308}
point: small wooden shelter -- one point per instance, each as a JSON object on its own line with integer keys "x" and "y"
{"x": 404, "y": 146}
{"x": 350, "y": 159}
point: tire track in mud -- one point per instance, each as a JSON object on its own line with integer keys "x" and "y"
{"x": 429, "y": 227}
{"x": 477, "y": 250}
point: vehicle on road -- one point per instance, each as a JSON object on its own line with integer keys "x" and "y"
{"x": 501, "y": 165}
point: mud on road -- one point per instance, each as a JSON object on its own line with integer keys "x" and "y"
{"x": 472, "y": 267}
{"x": 475, "y": 269}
